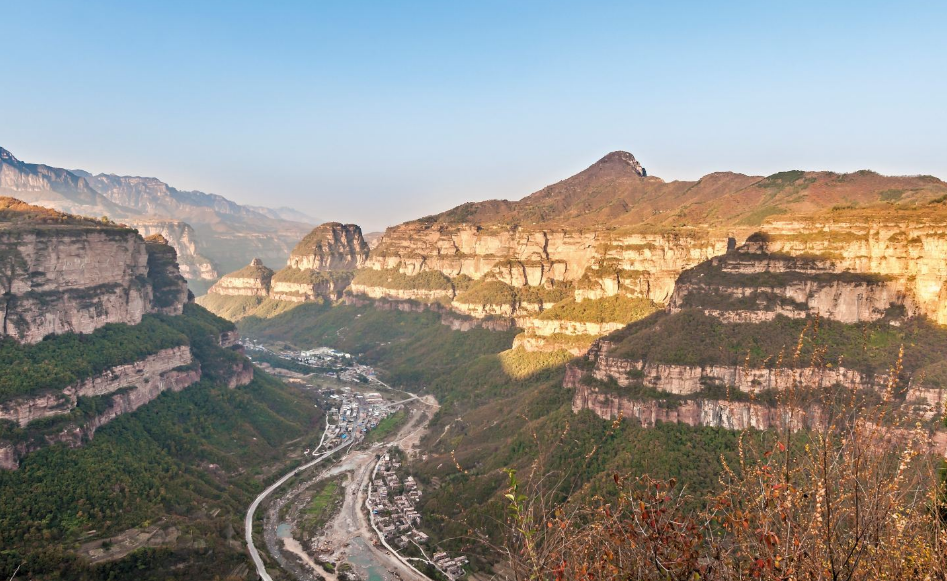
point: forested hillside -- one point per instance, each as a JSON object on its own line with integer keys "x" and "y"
{"x": 182, "y": 469}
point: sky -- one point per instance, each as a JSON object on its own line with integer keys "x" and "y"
{"x": 380, "y": 112}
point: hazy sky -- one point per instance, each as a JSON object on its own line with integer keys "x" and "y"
{"x": 378, "y": 112}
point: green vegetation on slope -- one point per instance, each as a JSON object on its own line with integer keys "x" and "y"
{"x": 692, "y": 338}
{"x": 61, "y": 360}
{"x": 488, "y": 291}
{"x": 614, "y": 309}
{"x": 313, "y": 277}
{"x": 234, "y": 308}
{"x": 393, "y": 279}
{"x": 192, "y": 460}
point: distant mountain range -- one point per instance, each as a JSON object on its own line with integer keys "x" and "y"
{"x": 617, "y": 192}
{"x": 211, "y": 233}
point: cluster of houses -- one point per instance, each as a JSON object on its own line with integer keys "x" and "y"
{"x": 338, "y": 363}
{"x": 393, "y": 505}
{"x": 355, "y": 413}
{"x": 453, "y": 568}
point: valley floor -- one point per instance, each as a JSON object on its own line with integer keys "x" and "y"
{"x": 346, "y": 537}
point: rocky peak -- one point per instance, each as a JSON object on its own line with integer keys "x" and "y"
{"x": 621, "y": 158}
{"x": 6, "y": 156}
{"x": 331, "y": 246}
{"x": 156, "y": 239}
{"x": 251, "y": 280}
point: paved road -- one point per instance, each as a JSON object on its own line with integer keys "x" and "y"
{"x": 248, "y": 522}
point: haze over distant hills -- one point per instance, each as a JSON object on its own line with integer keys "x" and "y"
{"x": 211, "y": 233}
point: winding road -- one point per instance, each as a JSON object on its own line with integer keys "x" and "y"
{"x": 248, "y": 522}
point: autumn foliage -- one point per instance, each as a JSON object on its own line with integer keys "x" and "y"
{"x": 852, "y": 491}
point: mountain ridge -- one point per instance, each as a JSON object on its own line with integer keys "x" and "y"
{"x": 227, "y": 234}
{"x": 616, "y": 191}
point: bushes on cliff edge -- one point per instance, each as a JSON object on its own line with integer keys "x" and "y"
{"x": 614, "y": 309}
{"x": 394, "y": 279}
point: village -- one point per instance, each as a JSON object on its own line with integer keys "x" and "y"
{"x": 355, "y": 415}
{"x": 323, "y": 360}
{"x": 353, "y": 411}
{"x": 392, "y": 506}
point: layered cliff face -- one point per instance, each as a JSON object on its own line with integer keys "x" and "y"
{"x": 755, "y": 283}
{"x": 321, "y": 266}
{"x": 330, "y": 246}
{"x": 181, "y": 236}
{"x": 614, "y": 230}
{"x": 808, "y": 306}
{"x": 61, "y": 274}
{"x": 92, "y": 327}
{"x": 71, "y": 415}
{"x": 906, "y": 246}
{"x": 599, "y": 263}
{"x": 136, "y": 375}
{"x": 252, "y": 280}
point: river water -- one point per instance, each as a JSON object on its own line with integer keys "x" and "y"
{"x": 362, "y": 558}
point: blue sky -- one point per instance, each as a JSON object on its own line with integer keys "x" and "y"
{"x": 378, "y": 112}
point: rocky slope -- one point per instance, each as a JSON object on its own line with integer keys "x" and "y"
{"x": 229, "y": 233}
{"x": 53, "y": 187}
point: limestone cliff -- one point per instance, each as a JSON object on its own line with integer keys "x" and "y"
{"x": 331, "y": 246}
{"x": 758, "y": 282}
{"x": 251, "y": 280}
{"x": 65, "y": 274}
{"x": 139, "y": 374}
{"x": 906, "y": 246}
{"x": 181, "y": 236}
{"x": 320, "y": 267}
{"x": 600, "y": 263}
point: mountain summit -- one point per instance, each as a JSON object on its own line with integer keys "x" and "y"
{"x": 622, "y": 158}
{"x": 616, "y": 191}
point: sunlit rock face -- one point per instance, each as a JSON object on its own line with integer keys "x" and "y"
{"x": 321, "y": 266}
{"x": 600, "y": 263}
{"x": 331, "y": 246}
{"x": 62, "y": 274}
{"x": 251, "y": 280}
